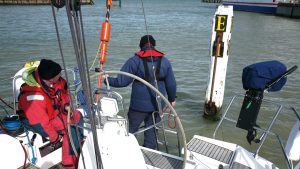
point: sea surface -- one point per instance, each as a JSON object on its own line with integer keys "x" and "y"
{"x": 182, "y": 29}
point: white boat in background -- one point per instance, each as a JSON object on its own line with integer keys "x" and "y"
{"x": 261, "y": 6}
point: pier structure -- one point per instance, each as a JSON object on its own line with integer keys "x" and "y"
{"x": 35, "y": 2}
{"x": 119, "y": 2}
{"x": 212, "y": 1}
{"x": 289, "y": 9}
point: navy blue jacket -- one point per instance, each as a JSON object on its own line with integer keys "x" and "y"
{"x": 142, "y": 97}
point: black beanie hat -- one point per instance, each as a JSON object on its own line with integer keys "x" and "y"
{"x": 144, "y": 40}
{"x": 48, "y": 69}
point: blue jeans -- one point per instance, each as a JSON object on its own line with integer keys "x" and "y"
{"x": 135, "y": 120}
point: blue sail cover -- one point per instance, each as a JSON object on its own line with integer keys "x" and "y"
{"x": 258, "y": 75}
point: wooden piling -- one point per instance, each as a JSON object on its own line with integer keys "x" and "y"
{"x": 119, "y": 2}
{"x": 212, "y": 1}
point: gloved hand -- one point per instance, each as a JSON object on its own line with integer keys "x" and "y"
{"x": 59, "y": 139}
{"x": 103, "y": 77}
{"x": 66, "y": 108}
{"x": 57, "y": 143}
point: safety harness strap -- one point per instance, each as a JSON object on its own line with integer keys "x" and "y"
{"x": 147, "y": 78}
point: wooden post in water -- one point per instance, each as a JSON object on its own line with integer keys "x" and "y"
{"x": 119, "y": 2}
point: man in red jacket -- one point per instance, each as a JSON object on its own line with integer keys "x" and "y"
{"x": 45, "y": 100}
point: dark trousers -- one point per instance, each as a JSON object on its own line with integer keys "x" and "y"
{"x": 69, "y": 160}
{"x": 135, "y": 120}
{"x": 39, "y": 129}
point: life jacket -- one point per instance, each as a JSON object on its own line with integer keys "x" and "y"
{"x": 55, "y": 98}
{"x": 39, "y": 90}
{"x": 150, "y": 52}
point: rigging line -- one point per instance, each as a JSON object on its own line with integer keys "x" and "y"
{"x": 145, "y": 21}
{"x": 78, "y": 52}
{"x": 66, "y": 74}
{"x": 82, "y": 67}
{"x": 83, "y": 60}
{"x": 108, "y": 6}
{"x": 102, "y": 49}
{"x": 84, "y": 47}
{"x": 76, "y": 126}
{"x": 94, "y": 61}
{"x": 6, "y": 103}
{"x": 70, "y": 137}
{"x": 158, "y": 99}
{"x": 6, "y": 112}
{"x": 84, "y": 84}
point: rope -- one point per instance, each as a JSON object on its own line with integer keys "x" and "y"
{"x": 81, "y": 57}
{"x": 66, "y": 75}
{"x": 169, "y": 119}
{"x": 94, "y": 61}
{"x": 158, "y": 99}
{"x": 104, "y": 38}
{"x": 6, "y": 112}
{"x": 108, "y": 6}
{"x": 64, "y": 65}
{"x": 6, "y": 103}
{"x": 24, "y": 165}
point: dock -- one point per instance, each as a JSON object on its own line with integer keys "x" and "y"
{"x": 291, "y": 10}
{"x": 212, "y": 1}
{"x": 37, "y": 2}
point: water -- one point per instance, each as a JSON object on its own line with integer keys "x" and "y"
{"x": 182, "y": 30}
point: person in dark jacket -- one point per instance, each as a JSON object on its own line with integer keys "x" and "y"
{"x": 143, "y": 100}
{"x": 44, "y": 100}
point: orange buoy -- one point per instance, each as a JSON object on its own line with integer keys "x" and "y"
{"x": 105, "y": 33}
{"x": 109, "y": 3}
{"x": 103, "y": 49}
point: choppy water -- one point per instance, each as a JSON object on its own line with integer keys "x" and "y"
{"x": 182, "y": 30}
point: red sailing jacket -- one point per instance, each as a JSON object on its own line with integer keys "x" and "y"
{"x": 43, "y": 106}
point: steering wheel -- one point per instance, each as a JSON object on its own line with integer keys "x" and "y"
{"x": 163, "y": 98}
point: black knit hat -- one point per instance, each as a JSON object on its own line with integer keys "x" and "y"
{"x": 144, "y": 40}
{"x": 48, "y": 69}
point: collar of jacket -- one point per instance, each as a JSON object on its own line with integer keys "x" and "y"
{"x": 58, "y": 86}
{"x": 29, "y": 77}
{"x": 148, "y": 52}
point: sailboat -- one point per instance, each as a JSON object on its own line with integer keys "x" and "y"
{"x": 109, "y": 145}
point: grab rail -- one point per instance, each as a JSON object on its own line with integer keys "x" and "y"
{"x": 265, "y": 132}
